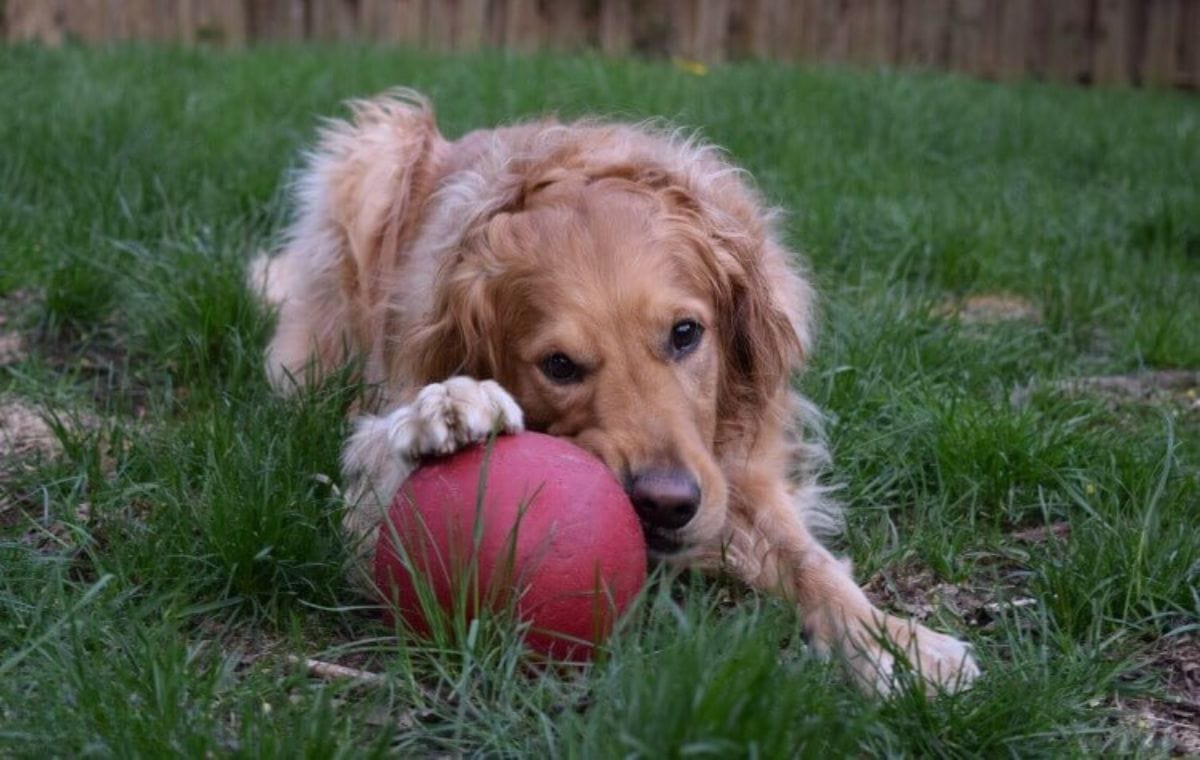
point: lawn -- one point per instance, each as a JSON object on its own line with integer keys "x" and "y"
{"x": 1008, "y": 356}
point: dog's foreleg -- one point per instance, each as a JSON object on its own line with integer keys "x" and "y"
{"x": 770, "y": 548}
{"x": 384, "y": 449}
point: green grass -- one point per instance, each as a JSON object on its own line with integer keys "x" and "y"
{"x": 136, "y": 183}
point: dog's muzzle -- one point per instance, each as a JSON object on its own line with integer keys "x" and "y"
{"x": 665, "y": 501}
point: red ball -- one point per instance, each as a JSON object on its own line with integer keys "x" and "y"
{"x": 558, "y": 543}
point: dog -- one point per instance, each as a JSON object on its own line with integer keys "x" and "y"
{"x": 621, "y": 286}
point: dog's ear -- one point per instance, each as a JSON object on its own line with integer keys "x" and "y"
{"x": 360, "y": 201}
{"x": 461, "y": 332}
{"x": 764, "y": 304}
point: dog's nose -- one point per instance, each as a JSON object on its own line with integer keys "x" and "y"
{"x": 664, "y": 498}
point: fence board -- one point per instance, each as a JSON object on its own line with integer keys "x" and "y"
{"x": 1068, "y": 57}
{"x": 925, "y": 32}
{"x": 1189, "y": 35}
{"x": 858, "y": 18}
{"x": 1014, "y": 36}
{"x": 396, "y": 21}
{"x": 832, "y": 29}
{"x": 971, "y": 40}
{"x": 769, "y": 29}
{"x": 439, "y": 20}
{"x": 216, "y": 21}
{"x": 334, "y": 19}
{"x": 712, "y": 29}
{"x": 886, "y": 32}
{"x": 144, "y": 19}
{"x": 1158, "y": 61}
{"x": 571, "y": 24}
{"x": 278, "y": 20}
{"x": 616, "y": 27}
{"x": 88, "y": 21}
{"x": 458, "y": 24}
{"x": 34, "y": 21}
{"x": 524, "y": 28}
{"x": 1112, "y": 60}
{"x": 1184, "y": 50}
{"x": 1040, "y": 33}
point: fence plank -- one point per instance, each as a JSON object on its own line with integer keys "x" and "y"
{"x": 144, "y": 19}
{"x": 770, "y": 29}
{"x": 924, "y": 33}
{"x": 1040, "y": 35}
{"x": 681, "y": 27}
{"x": 699, "y": 29}
{"x": 277, "y": 20}
{"x": 1158, "y": 61}
{"x": 88, "y": 21}
{"x": 1013, "y": 33}
{"x": 524, "y": 28}
{"x": 1068, "y": 56}
{"x": 34, "y": 21}
{"x": 396, "y": 21}
{"x": 616, "y": 27}
{"x": 713, "y": 29}
{"x": 439, "y": 25}
{"x": 472, "y": 33}
{"x": 569, "y": 25}
{"x": 832, "y": 29}
{"x": 457, "y": 24}
{"x": 886, "y": 32}
{"x": 874, "y": 31}
{"x": 220, "y": 22}
{"x": 1112, "y": 60}
{"x": 1189, "y": 40}
{"x": 334, "y": 19}
{"x": 972, "y": 37}
{"x": 1183, "y": 48}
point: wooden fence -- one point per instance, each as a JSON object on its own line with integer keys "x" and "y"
{"x": 1141, "y": 42}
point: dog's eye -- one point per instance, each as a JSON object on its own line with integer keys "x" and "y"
{"x": 685, "y": 336}
{"x": 560, "y": 369}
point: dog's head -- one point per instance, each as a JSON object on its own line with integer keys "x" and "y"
{"x": 626, "y": 289}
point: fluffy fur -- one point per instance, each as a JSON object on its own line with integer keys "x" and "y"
{"x": 456, "y": 271}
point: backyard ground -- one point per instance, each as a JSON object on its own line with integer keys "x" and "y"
{"x": 1009, "y": 350}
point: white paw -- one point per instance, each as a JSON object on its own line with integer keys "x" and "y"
{"x": 445, "y": 417}
{"x": 942, "y": 662}
{"x": 449, "y": 416}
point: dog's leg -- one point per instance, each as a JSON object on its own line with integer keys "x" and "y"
{"x": 384, "y": 449}
{"x": 770, "y": 547}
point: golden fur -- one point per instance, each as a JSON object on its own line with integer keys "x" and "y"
{"x": 454, "y": 270}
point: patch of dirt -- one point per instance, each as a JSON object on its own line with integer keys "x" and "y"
{"x": 96, "y": 358}
{"x": 1059, "y": 531}
{"x": 989, "y": 309}
{"x": 1182, "y": 386}
{"x": 1174, "y": 718}
{"x": 917, "y": 592}
{"x": 25, "y": 438}
{"x": 1177, "y": 387}
{"x": 24, "y": 432}
{"x": 13, "y": 347}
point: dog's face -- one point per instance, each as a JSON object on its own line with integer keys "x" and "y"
{"x": 619, "y": 319}
{"x": 611, "y": 341}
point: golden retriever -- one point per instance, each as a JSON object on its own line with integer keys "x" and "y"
{"x": 617, "y": 285}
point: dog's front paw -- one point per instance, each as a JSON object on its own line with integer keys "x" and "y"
{"x": 452, "y": 415}
{"x": 383, "y": 450}
{"x": 879, "y": 650}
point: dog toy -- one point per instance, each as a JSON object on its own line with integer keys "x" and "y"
{"x": 529, "y": 524}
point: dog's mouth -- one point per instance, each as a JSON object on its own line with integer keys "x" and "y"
{"x": 662, "y": 543}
